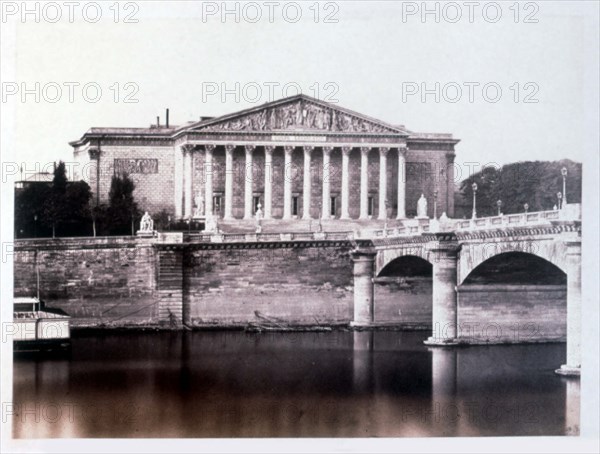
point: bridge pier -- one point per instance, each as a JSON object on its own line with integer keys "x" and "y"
{"x": 573, "y": 365}
{"x": 445, "y": 305}
{"x": 364, "y": 288}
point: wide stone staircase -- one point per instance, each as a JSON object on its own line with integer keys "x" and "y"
{"x": 302, "y": 225}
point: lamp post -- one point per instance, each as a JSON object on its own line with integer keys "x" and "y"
{"x": 169, "y": 223}
{"x": 559, "y": 197}
{"x": 563, "y": 171}
{"x": 474, "y": 186}
{"x": 526, "y": 206}
{"x": 35, "y": 225}
{"x": 435, "y": 197}
{"x": 499, "y": 205}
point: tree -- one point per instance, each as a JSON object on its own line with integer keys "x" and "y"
{"x": 487, "y": 190}
{"x": 122, "y": 208}
{"x": 56, "y": 209}
{"x": 535, "y": 183}
{"x": 29, "y": 205}
{"x": 40, "y": 207}
{"x": 78, "y": 196}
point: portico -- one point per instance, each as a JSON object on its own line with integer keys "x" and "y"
{"x": 300, "y": 158}
{"x": 204, "y": 152}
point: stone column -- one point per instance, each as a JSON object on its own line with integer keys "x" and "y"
{"x": 208, "y": 179}
{"x": 187, "y": 172}
{"x": 443, "y": 252}
{"x": 228, "y": 214}
{"x": 287, "y": 182}
{"x": 364, "y": 182}
{"x": 449, "y": 185}
{"x": 345, "y": 214}
{"x": 178, "y": 181}
{"x": 306, "y": 191}
{"x": 401, "y": 183}
{"x": 364, "y": 291}
{"x": 325, "y": 205}
{"x": 267, "y": 209}
{"x": 383, "y": 151}
{"x": 573, "y": 366}
{"x": 248, "y": 179}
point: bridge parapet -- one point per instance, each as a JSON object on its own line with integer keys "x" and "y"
{"x": 412, "y": 227}
{"x": 409, "y": 228}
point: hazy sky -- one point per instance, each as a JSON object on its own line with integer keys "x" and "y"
{"x": 371, "y": 58}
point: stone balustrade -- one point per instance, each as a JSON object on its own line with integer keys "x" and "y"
{"x": 408, "y": 227}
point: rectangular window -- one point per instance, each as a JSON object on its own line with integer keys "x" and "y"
{"x": 295, "y": 206}
{"x": 332, "y": 206}
{"x": 217, "y": 205}
{"x": 370, "y": 207}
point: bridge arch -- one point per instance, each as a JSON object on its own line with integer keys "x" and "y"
{"x": 513, "y": 297}
{"x": 472, "y": 255}
{"x": 520, "y": 268}
{"x": 387, "y": 256}
{"x": 403, "y": 292}
{"x": 407, "y": 265}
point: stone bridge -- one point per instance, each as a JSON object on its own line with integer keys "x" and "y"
{"x": 457, "y": 251}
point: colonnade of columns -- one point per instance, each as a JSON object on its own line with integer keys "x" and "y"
{"x": 184, "y": 174}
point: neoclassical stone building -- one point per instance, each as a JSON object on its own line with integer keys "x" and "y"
{"x": 298, "y": 157}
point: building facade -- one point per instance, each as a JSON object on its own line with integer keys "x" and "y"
{"x": 296, "y": 158}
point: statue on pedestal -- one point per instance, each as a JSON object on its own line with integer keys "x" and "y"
{"x": 259, "y": 216}
{"x": 199, "y": 212}
{"x": 259, "y": 213}
{"x": 422, "y": 208}
{"x": 146, "y": 224}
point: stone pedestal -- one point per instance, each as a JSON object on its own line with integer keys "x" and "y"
{"x": 364, "y": 292}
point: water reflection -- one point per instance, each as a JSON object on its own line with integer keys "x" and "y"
{"x": 336, "y": 384}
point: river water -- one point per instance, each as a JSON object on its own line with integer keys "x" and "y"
{"x": 334, "y": 384}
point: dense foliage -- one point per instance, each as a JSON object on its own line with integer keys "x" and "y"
{"x": 535, "y": 183}
{"x": 59, "y": 208}
{"x": 63, "y": 208}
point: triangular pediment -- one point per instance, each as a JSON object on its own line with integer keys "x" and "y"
{"x": 299, "y": 113}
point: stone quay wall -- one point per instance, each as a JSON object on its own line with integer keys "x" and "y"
{"x": 134, "y": 281}
{"x": 98, "y": 281}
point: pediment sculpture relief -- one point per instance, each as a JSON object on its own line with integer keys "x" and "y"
{"x": 300, "y": 116}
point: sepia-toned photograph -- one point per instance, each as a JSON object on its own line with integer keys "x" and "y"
{"x": 338, "y": 226}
